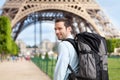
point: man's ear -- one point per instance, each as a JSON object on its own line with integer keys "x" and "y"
{"x": 69, "y": 28}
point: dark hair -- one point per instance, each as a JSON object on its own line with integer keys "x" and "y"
{"x": 68, "y": 22}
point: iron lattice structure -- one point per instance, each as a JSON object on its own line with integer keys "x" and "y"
{"x": 87, "y": 14}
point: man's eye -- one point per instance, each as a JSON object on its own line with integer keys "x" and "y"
{"x": 55, "y": 29}
{"x": 60, "y": 28}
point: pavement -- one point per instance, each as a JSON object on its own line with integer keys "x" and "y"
{"x": 21, "y": 70}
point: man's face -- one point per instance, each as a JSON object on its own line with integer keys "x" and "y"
{"x": 61, "y": 31}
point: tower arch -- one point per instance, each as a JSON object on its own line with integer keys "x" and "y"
{"x": 90, "y": 12}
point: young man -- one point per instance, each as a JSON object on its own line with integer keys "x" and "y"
{"x": 66, "y": 52}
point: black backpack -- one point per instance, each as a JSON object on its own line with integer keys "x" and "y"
{"x": 92, "y": 52}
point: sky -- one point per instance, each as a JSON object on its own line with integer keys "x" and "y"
{"x": 110, "y": 8}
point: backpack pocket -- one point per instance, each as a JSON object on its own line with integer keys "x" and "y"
{"x": 87, "y": 65}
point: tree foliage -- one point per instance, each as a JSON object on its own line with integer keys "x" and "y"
{"x": 15, "y": 49}
{"x": 7, "y": 45}
{"x": 112, "y": 44}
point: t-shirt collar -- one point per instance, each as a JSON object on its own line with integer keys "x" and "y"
{"x": 70, "y": 36}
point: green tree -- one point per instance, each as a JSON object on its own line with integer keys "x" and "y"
{"x": 5, "y": 34}
{"x": 117, "y": 43}
{"x": 15, "y": 48}
{"x": 112, "y": 44}
{"x": 6, "y": 42}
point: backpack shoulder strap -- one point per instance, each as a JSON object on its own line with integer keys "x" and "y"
{"x": 72, "y": 41}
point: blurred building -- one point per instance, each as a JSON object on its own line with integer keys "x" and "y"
{"x": 46, "y": 46}
{"x": 22, "y": 46}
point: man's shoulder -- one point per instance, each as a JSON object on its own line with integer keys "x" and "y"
{"x": 65, "y": 44}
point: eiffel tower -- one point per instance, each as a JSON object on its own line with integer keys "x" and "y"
{"x": 88, "y": 16}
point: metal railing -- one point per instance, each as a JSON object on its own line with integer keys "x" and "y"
{"x": 46, "y": 65}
